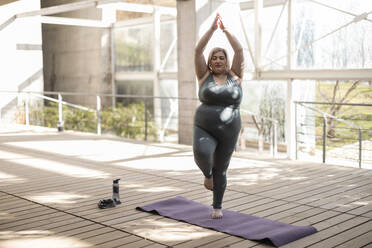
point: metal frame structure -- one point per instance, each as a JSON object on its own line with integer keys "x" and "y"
{"x": 259, "y": 74}
{"x": 290, "y": 73}
{"x": 326, "y": 116}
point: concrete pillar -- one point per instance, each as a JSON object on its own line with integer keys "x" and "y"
{"x": 77, "y": 59}
{"x": 186, "y": 40}
{"x": 107, "y": 58}
{"x": 194, "y": 17}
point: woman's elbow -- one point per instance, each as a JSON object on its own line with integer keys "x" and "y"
{"x": 198, "y": 50}
{"x": 239, "y": 50}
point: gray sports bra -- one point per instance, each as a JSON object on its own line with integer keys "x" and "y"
{"x": 228, "y": 94}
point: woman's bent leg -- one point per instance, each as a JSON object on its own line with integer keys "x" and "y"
{"x": 204, "y": 146}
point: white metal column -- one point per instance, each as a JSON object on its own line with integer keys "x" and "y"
{"x": 156, "y": 70}
{"x": 290, "y": 114}
{"x": 258, "y": 11}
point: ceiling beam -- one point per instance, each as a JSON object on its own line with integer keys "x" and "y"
{"x": 73, "y": 21}
{"x": 135, "y": 7}
{"x": 59, "y": 8}
{"x": 266, "y": 3}
{"x": 336, "y": 74}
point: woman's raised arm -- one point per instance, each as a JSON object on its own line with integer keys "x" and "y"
{"x": 237, "y": 65}
{"x": 201, "y": 67}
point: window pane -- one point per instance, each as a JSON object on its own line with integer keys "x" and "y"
{"x": 169, "y": 105}
{"x": 274, "y": 45}
{"x": 134, "y": 48}
{"x": 168, "y": 34}
{"x": 265, "y": 99}
{"x": 135, "y": 88}
{"x": 344, "y": 47}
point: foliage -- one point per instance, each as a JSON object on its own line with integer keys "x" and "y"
{"x": 124, "y": 121}
{"x": 128, "y": 121}
{"x": 342, "y": 133}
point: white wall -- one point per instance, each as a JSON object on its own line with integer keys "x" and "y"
{"x": 21, "y": 60}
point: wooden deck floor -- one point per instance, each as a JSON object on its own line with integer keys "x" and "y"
{"x": 50, "y": 184}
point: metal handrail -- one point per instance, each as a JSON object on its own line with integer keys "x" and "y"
{"x": 60, "y": 102}
{"x": 325, "y": 116}
{"x": 98, "y": 94}
{"x": 60, "y": 125}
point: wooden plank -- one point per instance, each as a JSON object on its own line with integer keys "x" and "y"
{"x": 357, "y": 207}
{"x": 325, "y": 190}
{"x": 296, "y": 217}
{"x": 263, "y": 207}
{"x": 122, "y": 242}
{"x": 139, "y": 243}
{"x": 343, "y": 237}
{"x": 244, "y": 244}
{"x": 222, "y": 242}
{"x": 76, "y": 228}
{"x": 106, "y": 237}
{"x": 153, "y": 245}
{"x": 314, "y": 186}
{"x": 327, "y": 230}
{"x": 368, "y": 214}
{"x": 74, "y": 184}
{"x": 93, "y": 233}
{"x": 285, "y": 184}
{"x": 24, "y": 223}
{"x": 368, "y": 246}
{"x": 361, "y": 241}
{"x": 274, "y": 210}
{"x": 208, "y": 237}
{"x": 342, "y": 196}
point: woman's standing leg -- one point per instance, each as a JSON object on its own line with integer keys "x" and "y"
{"x": 222, "y": 159}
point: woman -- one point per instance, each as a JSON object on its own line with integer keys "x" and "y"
{"x": 217, "y": 120}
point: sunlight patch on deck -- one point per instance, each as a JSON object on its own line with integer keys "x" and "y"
{"x": 39, "y": 239}
{"x": 168, "y": 231}
{"x": 9, "y": 178}
{"x": 10, "y": 155}
{"x": 162, "y": 163}
{"x": 237, "y": 163}
{"x": 160, "y": 189}
{"x": 253, "y": 176}
{"x": 6, "y": 216}
{"x": 61, "y": 168}
{"x": 58, "y": 197}
{"x": 93, "y": 149}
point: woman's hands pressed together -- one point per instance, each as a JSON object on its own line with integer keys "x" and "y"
{"x": 217, "y": 22}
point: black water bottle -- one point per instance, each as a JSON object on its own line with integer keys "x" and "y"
{"x": 115, "y": 191}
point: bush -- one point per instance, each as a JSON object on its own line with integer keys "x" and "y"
{"x": 128, "y": 121}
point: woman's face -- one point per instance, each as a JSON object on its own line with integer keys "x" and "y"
{"x": 218, "y": 62}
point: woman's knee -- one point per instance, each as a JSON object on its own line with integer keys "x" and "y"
{"x": 203, "y": 156}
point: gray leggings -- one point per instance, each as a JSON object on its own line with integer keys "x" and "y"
{"x": 212, "y": 153}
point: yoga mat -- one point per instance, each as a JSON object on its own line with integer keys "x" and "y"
{"x": 234, "y": 223}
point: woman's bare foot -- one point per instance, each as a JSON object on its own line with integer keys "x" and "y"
{"x": 217, "y": 213}
{"x": 208, "y": 183}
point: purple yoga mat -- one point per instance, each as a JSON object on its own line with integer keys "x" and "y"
{"x": 234, "y": 223}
